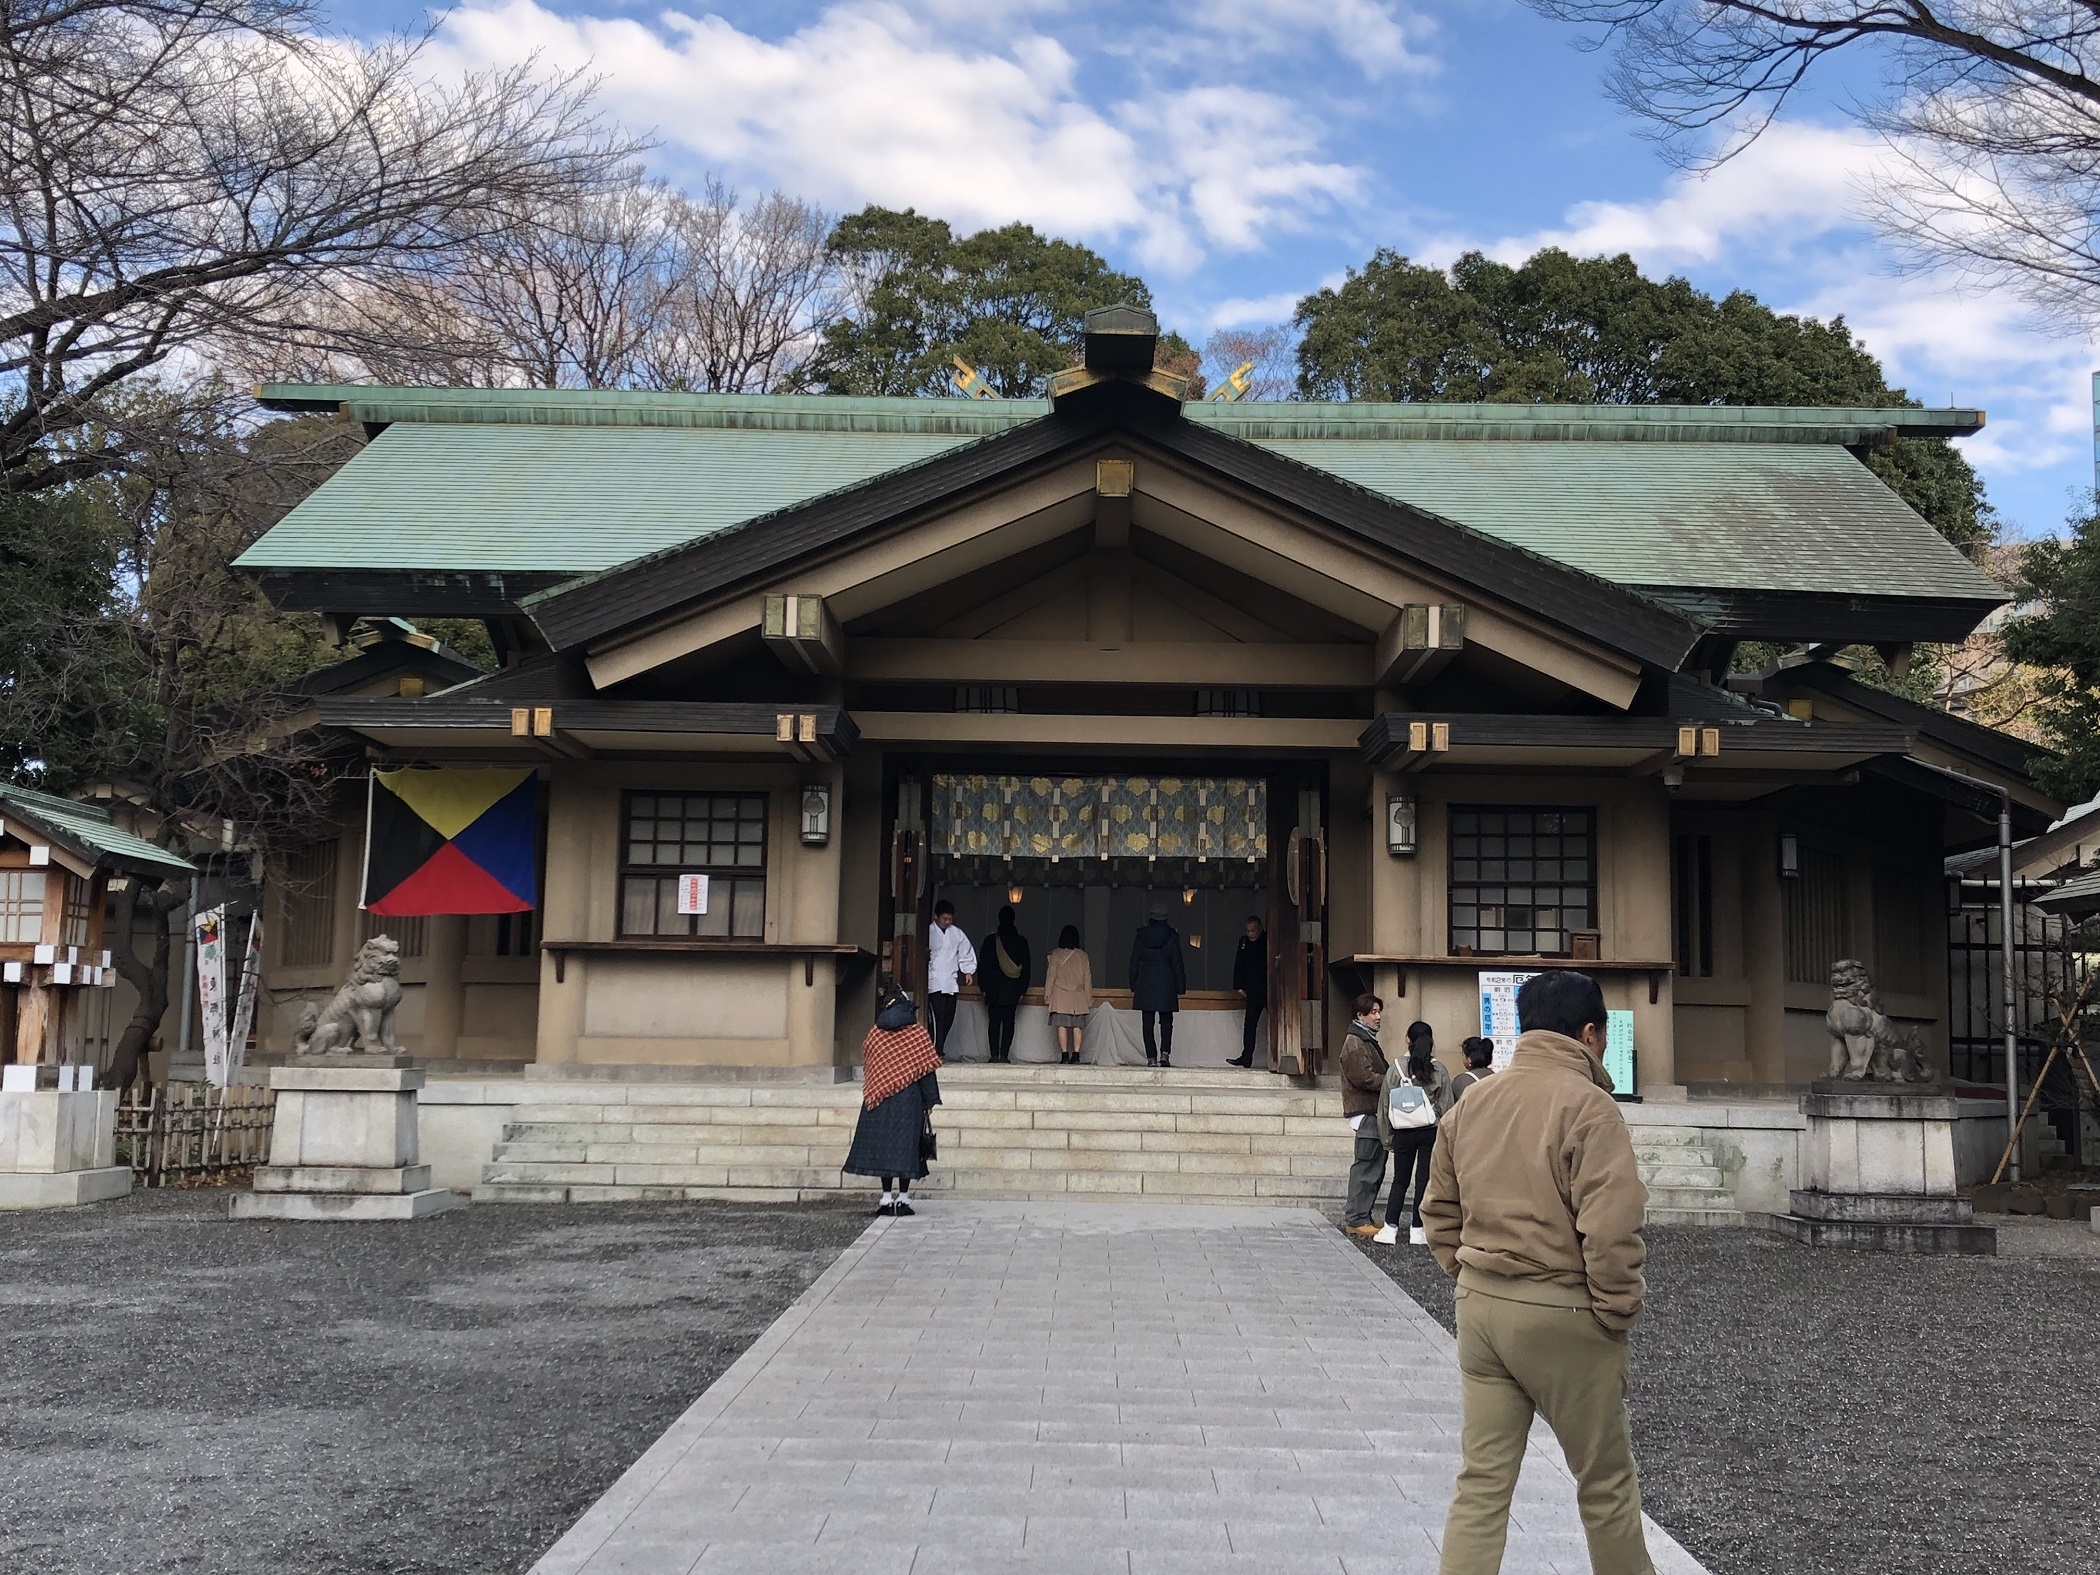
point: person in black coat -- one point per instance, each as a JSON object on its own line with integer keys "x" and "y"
{"x": 1003, "y": 964}
{"x": 1250, "y": 976}
{"x": 1158, "y": 975}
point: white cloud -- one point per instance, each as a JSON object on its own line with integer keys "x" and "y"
{"x": 879, "y": 101}
{"x": 1371, "y": 35}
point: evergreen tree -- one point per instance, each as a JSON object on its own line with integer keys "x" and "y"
{"x": 2063, "y": 641}
{"x": 1567, "y": 330}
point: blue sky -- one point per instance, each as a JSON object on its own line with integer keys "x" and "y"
{"x": 1238, "y": 153}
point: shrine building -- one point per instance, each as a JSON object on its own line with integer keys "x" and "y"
{"x": 1439, "y": 693}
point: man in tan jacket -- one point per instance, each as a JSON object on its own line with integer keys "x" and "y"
{"x": 1535, "y": 1207}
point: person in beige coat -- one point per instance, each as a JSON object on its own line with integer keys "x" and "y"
{"x": 1068, "y": 994}
{"x": 1535, "y": 1208}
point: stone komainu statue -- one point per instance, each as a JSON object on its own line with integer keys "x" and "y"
{"x": 361, "y": 1014}
{"x": 1864, "y": 1045}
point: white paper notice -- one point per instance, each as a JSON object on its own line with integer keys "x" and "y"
{"x": 1498, "y": 1012}
{"x": 692, "y": 894}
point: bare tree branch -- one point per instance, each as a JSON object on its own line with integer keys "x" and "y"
{"x": 214, "y": 180}
{"x": 1990, "y": 110}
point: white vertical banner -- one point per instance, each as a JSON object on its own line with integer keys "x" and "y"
{"x": 210, "y": 931}
{"x": 244, "y": 998}
{"x": 1498, "y": 1011}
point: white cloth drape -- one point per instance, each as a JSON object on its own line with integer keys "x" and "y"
{"x": 1114, "y": 1037}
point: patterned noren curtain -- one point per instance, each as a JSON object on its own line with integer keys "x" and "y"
{"x": 1058, "y": 818}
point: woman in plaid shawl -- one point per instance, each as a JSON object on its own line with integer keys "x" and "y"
{"x": 898, "y": 1093}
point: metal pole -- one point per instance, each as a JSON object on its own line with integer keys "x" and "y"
{"x": 2005, "y": 953}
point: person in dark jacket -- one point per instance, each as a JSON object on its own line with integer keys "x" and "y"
{"x": 1250, "y": 976}
{"x": 1480, "y": 1063}
{"x": 1158, "y": 975}
{"x": 898, "y": 1093}
{"x": 1003, "y": 963}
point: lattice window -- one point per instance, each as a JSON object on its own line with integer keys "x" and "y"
{"x": 719, "y": 835}
{"x": 22, "y": 906}
{"x": 1521, "y": 878}
{"x": 411, "y": 931}
{"x": 74, "y": 928}
{"x": 309, "y": 906}
{"x": 1818, "y": 917}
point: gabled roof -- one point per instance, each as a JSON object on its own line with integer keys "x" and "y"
{"x": 1986, "y": 744}
{"x": 90, "y": 832}
{"x": 591, "y": 608}
{"x": 1755, "y": 521}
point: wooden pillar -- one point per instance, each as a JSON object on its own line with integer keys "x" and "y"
{"x": 33, "y": 1004}
{"x": 1764, "y": 951}
{"x": 444, "y": 996}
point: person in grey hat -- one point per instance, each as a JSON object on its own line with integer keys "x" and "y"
{"x": 1158, "y": 975}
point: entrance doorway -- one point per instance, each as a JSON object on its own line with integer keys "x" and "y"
{"x": 1096, "y": 850}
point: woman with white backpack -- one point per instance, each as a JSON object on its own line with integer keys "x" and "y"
{"x": 1416, "y": 1094}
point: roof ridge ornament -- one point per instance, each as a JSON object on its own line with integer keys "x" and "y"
{"x": 1118, "y": 344}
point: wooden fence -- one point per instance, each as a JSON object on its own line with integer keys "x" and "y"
{"x": 191, "y": 1134}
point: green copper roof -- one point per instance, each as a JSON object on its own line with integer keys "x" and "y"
{"x": 93, "y": 829}
{"x": 565, "y": 499}
{"x": 1744, "y": 516}
{"x": 576, "y": 482}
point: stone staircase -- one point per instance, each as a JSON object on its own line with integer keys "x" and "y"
{"x": 1685, "y": 1186}
{"x": 1216, "y": 1135}
{"x": 1212, "y": 1135}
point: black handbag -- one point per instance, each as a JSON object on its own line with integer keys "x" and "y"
{"x": 929, "y": 1143}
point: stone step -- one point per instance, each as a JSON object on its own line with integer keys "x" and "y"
{"x": 1704, "y": 1176}
{"x": 1689, "y": 1198}
{"x": 1718, "y": 1218}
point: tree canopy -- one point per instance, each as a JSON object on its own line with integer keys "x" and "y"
{"x": 2063, "y": 642}
{"x": 1566, "y": 330}
{"x": 1009, "y": 301}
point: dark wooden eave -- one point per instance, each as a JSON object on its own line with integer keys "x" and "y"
{"x": 1820, "y": 618}
{"x": 664, "y": 583}
{"x": 1389, "y": 740}
{"x": 580, "y": 727}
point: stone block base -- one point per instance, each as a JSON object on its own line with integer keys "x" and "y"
{"x": 342, "y": 1178}
{"x": 63, "y": 1189}
{"x": 1881, "y": 1208}
{"x": 1973, "y": 1241}
{"x": 343, "y": 1205}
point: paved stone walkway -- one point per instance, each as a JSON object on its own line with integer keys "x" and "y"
{"x": 1077, "y": 1389}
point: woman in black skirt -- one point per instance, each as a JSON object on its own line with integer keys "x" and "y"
{"x": 898, "y": 1093}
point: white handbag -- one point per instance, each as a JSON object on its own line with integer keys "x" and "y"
{"x": 1408, "y": 1106}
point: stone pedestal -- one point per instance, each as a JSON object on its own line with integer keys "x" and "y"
{"x": 59, "y": 1148}
{"x": 343, "y": 1144}
{"x": 1879, "y": 1163}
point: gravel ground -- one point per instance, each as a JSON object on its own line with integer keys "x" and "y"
{"x": 1801, "y": 1411}
{"x": 182, "y": 1395}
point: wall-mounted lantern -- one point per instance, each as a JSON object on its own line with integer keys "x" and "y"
{"x": 816, "y": 814}
{"x": 1789, "y": 856}
{"x": 1400, "y": 824}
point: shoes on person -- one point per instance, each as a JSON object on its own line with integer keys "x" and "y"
{"x": 1418, "y": 1237}
{"x": 886, "y": 1207}
{"x": 902, "y": 1208}
{"x": 1152, "y": 1060}
{"x": 1166, "y": 1060}
{"x": 1241, "y": 1061}
{"x": 1365, "y": 1229}
{"x": 1388, "y": 1236}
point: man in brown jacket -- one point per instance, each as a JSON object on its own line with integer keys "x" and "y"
{"x": 1363, "y": 1075}
{"x": 1535, "y": 1207}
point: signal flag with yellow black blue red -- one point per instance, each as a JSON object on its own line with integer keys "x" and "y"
{"x": 452, "y": 841}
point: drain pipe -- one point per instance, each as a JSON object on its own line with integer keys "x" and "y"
{"x": 2005, "y": 955}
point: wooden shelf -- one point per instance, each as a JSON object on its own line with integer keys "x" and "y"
{"x": 1499, "y": 964}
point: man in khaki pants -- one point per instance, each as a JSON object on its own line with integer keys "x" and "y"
{"x": 1535, "y": 1207}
